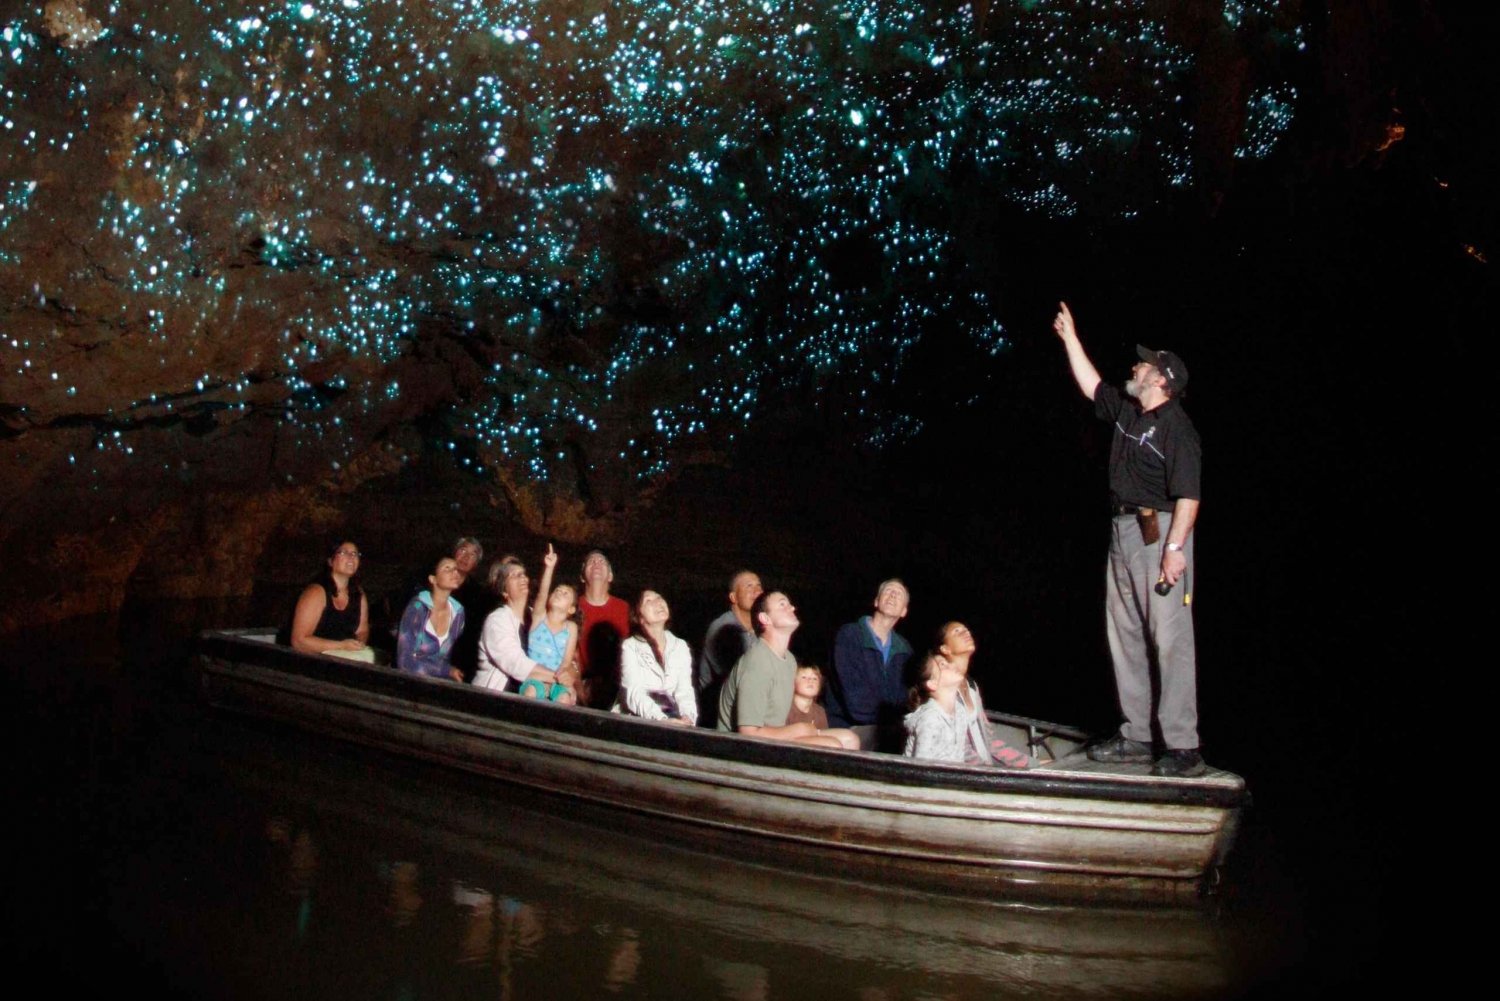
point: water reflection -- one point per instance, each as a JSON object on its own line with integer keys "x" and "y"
{"x": 415, "y": 883}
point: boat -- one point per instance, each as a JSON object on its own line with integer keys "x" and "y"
{"x": 863, "y": 928}
{"x": 1070, "y": 829}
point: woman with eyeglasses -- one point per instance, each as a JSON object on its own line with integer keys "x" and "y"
{"x": 333, "y": 615}
{"x": 503, "y": 664}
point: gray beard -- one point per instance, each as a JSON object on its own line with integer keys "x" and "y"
{"x": 1133, "y": 388}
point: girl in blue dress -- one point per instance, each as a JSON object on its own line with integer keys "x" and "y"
{"x": 553, "y": 639}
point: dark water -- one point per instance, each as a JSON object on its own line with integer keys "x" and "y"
{"x": 157, "y": 845}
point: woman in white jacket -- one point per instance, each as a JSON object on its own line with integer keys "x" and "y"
{"x": 656, "y": 668}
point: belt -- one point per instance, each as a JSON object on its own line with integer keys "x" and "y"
{"x": 1121, "y": 510}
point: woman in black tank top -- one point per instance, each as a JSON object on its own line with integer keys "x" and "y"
{"x": 332, "y": 613}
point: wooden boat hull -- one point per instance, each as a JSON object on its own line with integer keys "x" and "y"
{"x": 1053, "y": 831}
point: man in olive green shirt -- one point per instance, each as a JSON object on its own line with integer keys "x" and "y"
{"x": 757, "y": 695}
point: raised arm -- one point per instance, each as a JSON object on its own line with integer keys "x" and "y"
{"x": 539, "y": 607}
{"x": 1084, "y": 372}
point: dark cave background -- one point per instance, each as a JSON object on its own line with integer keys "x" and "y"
{"x": 1327, "y": 300}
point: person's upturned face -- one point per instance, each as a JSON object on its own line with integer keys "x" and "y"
{"x": 596, "y": 571}
{"x": 653, "y": 610}
{"x": 957, "y": 640}
{"x": 1142, "y": 375}
{"x": 447, "y": 575}
{"x": 466, "y": 558}
{"x": 942, "y": 675}
{"x": 780, "y": 613}
{"x": 517, "y": 585}
{"x": 744, "y": 592}
{"x": 893, "y": 601}
{"x": 563, "y": 600}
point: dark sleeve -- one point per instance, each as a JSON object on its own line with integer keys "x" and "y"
{"x": 851, "y": 691}
{"x": 1185, "y": 464}
{"x": 1108, "y": 401}
{"x": 721, "y": 648}
{"x": 895, "y": 682}
{"x": 703, "y": 670}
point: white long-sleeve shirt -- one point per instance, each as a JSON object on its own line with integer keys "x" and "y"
{"x": 501, "y": 656}
{"x": 641, "y": 675}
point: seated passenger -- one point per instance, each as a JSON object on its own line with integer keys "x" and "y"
{"x": 606, "y": 623}
{"x": 468, "y": 553}
{"x": 553, "y": 641}
{"x": 956, "y": 725}
{"x": 940, "y": 726}
{"x": 332, "y": 615}
{"x": 757, "y": 696}
{"x": 656, "y": 668}
{"x": 431, "y": 624}
{"x": 805, "y": 689}
{"x": 726, "y": 641}
{"x": 867, "y": 688}
{"x": 502, "y": 659}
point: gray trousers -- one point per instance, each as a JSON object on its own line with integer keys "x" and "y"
{"x": 1142, "y": 623}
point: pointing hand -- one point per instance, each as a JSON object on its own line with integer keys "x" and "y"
{"x": 1063, "y": 322}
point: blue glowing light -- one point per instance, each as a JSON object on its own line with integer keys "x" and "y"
{"x": 627, "y": 220}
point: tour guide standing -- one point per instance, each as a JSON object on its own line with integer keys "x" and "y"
{"x": 1154, "y": 464}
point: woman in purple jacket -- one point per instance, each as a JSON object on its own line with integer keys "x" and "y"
{"x": 430, "y": 625}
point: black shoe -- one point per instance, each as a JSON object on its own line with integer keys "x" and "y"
{"x": 1120, "y": 750}
{"x": 1179, "y": 764}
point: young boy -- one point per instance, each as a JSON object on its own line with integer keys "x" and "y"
{"x": 805, "y": 688}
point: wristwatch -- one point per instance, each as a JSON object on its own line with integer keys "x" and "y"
{"x": 1174, "y": 547}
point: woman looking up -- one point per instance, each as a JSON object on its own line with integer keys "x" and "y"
{"x": 955, "y": 643}
{"x": 432, "y": 622}
{"x": 503, "y": 664}
{"x": 656, "y": 668}
{"x": 332, "y": 613}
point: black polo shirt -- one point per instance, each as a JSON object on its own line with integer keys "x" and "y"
{"x": 1155, "y": 457}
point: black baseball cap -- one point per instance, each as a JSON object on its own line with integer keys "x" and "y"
{"x": 1169, "y": 365}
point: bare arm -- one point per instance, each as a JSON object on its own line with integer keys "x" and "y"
{"x": 539, "y": 607}
{"x": 363, "y": 632}
{"x": 568, "y": 672}
{"x": 1084, "y": 372}
{"x": 305, "y": 619}
{"x": 792, "y": 731}
{"x": 1184, "y": 515}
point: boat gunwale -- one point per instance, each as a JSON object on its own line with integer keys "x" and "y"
{"x": 249, "y": 647}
